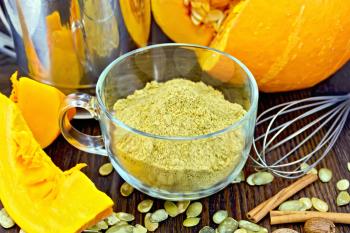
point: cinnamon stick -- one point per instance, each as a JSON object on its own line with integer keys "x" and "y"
{"x": 260, "y": 211}
{"x": 282, "y": 217}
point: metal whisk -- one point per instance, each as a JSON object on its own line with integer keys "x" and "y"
{"x": 327, "y": 116}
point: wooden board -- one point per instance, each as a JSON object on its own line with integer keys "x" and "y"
{"x": 238, "y": 199}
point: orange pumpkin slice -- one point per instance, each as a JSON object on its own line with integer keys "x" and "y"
{"x": 39, "y": 104}
{"x": 173, "y": 17}
{"x": 219, "y": 66}
{"x": 38, "y": 196}
{"x": 137, "y": 18}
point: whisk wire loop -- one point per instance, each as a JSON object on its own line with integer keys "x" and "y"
{"x": 324, "y": 111}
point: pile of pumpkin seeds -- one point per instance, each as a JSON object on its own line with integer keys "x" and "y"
{"x": 117, "y": 223}
{"x": 171, "y": 209}
{"x": 228, "y": 224}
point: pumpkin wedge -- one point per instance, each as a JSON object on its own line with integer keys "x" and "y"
{"x": 288, "y": 45}
{"x": 39, "y": 104}
{"x": 137, "y": 18}
{"x": 38, "y": 196}
{"x": 173, "y": 18}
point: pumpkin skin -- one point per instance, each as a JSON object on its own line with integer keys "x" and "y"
{"x": 37, "y": 195}
{"x": 288, "y": 45}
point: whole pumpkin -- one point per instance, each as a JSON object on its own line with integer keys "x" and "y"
{"x": 288, "y": 45}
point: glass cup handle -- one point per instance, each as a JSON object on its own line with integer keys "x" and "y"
{"x": 84, "y": 142}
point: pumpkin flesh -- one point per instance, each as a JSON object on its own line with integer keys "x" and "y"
{"x": 36, "y": 193}
{"x": 137, "y": 18}
{"x": 64, "y": 46}
{"x": 39, "y": 104}
{"x": 173, "y": 17}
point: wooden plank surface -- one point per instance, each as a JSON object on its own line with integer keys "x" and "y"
{"x": 236, "y": 198}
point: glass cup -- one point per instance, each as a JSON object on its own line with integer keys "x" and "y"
{"x": 169, "y": 167}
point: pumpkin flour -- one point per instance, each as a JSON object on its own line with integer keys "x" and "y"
{"x": 178, "y": 108}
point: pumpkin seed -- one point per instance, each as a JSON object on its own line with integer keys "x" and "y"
{"x": 120, "y": 229}
{"x": 159, "y": 216}
{"x": 349, "y": 166}
{"x": 307, "y": 203}
{"x": 125, "y": 216}
{"x": 325, "y": 175}
{"x": 343, "y": 184}
{"x": 306, "y": 168}
{"x": 319, "y": 205}
{"x": 250, "y": 179}
{"x": 105, "y": 169}
{"x": 241, "y": 231}
{"x": 5, "y": 220}
{"x": 262, "y": 178}
{"x": 191, "y": 222}
{"x": 145, "y": 206}
{"x": 213, "y": 16}
{"x": 263, "y": 230}
{"x": 102, "y": 225}
{"x": 229, "y": 225}
{"x": 182, "y": 206}
{"x": 203, "y": 6}
{"x": 196, "y": 17}
{"x": 150, "y": 226}
{"x": 343, "y": 198}
{"x": 293, "y": 205}
{"x": 93, "y": 228}
{"x": 112, "y": 219}
{"x": 121, "y": 223}
{"x": 239, "y": 178}
{"x": 207, "y": 229}
{"x": 194, "y": 210}
{"x": 139, "y": 229}
{"x": 171, "y": 208}
{"x": 249, "y": 225}
{"x": 126, "y": 189}
{"x": 220, "y": 216}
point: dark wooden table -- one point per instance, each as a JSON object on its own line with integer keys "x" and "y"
{"x": 236, "y": 198}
